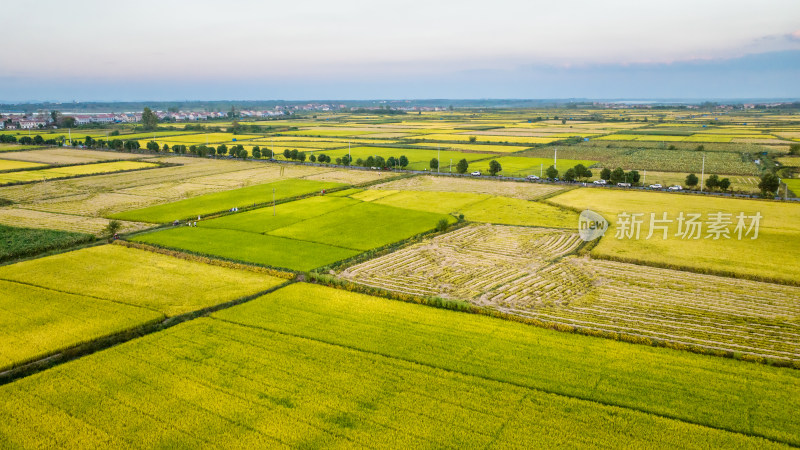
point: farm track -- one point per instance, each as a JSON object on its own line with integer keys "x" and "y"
{"x": 528, "y": 272}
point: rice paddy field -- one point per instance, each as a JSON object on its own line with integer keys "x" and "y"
{"x": 18, "y": 242}
{"x": 8, "y": 165}
{"x": 402, "y": 309}
{"x": 226, "y": 200}
{"x": 480, "y": 394}
{"x": 481, "y": 148}
{"x": 524, "y": 272}
{"x": 71, "y": 171}
{"x": 16, "y": 147}
{"x": 656, "y": 159}
{"x": 59, "y": 301}
{"x": 419, "y": 159}
{"x": 773, "y": 255}
{"x": 300, "y": 235}
{"x": 82, "y": 204}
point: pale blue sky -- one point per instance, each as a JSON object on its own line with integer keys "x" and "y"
{"x": 163, "y": 50}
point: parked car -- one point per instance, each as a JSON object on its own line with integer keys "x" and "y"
{"x": 677, "y": 187}
{"x": 623, "y": 184}
{"x": 477, "y": 173}
{"x": 600, "y": 182}
{"x": 533, "y": 177}
{"x": 656, "y": 186}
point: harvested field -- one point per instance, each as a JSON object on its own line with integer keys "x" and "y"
{"x": 21, "y": 217}
{"x": 467, "y": 262}
{"x": 70, "y": 156}
{"x": 524, "y": 191}
{"x": 521, "y": 271}
{"x": 70, "y": 171}
{"x": 101, "y": 195}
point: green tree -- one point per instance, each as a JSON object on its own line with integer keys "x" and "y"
{"x": 434, "y": 164}
{"x": 380, "y": 162}
{"x": 222, "y": 149}
{"x": 617, "y": 175}
{"x": 462, "y": 166}
{"x": 149, "y": 119}
{"x": 131, "y": 145}
{"x": 570, "y": 175}
{"x": 369, "y": 162}
{"x": 551, "y": 172}
{"x": 301, "y": 156}
{"x": 605, "y": 174}
{"x": 112, "y": 228}
{"x": 166, "y": 148}
{"x": 633, "y": 176}
{"x": 257, "y": 152}
{"x": 68, "y": 122}
{"x": 724, "y": 184}
{"x": 152, "y": 146}
{"x": 346, "y": 160}
{"x": 794, "y": 149}
{"x": 242, "y": 153}
{"x": 294, "y": 153}
{"x": 38, "y": 140}
{"x": 287, "y": 153}
{"x": 582, "y": 172}
{"x": 311, "y": 158}
{"x": 769, "y": 184}
{"x": 442, "y": 224}
{"x": 712, "y": 182}
{"x": 494, "y": 167}
{"x": 700, "y": 148}
{"x": 391, "y": 161}
{"x": 473, "y": 138}
{"x": 691, "y": 180}
{"x": 403, "y": 161}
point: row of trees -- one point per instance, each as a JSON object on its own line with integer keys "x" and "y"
{"x": 582, "y": 173}
{"x": 712, "y": 183}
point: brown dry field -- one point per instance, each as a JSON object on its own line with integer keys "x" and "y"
{"x": 521, "y": 190}
{"x": 69, "y": 156}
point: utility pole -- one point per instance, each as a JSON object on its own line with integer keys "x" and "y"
{"x": 541, "y": 170}
{"x": 703, "y": 173}
{"x": 555, "y": 158}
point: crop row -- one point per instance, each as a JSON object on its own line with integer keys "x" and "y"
{"x": 511, "y": 269}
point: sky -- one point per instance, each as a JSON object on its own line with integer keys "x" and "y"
{"x": 91, "y": 50}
